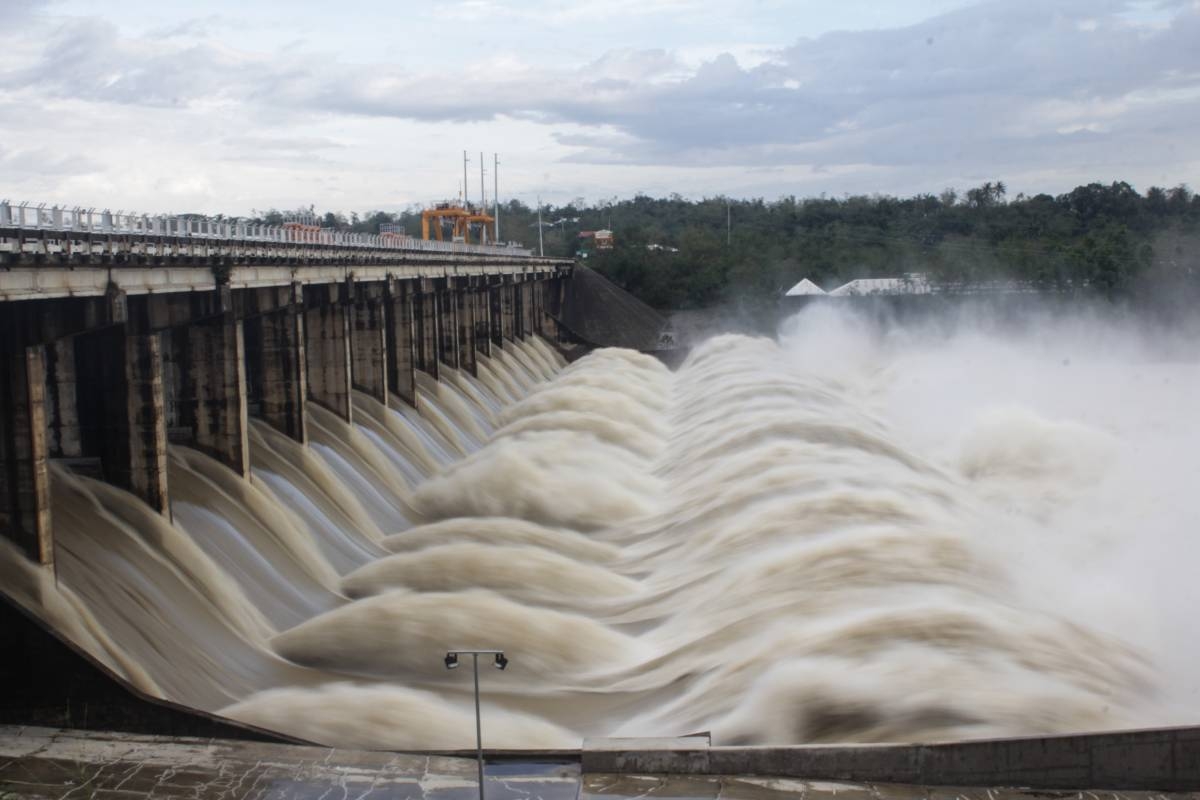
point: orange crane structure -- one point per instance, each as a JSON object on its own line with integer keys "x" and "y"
{"x": 459, "y": 219}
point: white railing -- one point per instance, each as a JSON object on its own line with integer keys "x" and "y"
{"x": 60, "y": 219}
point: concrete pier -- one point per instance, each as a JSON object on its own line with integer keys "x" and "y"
{"x": 519, "y": 302}
{"x": 24, "y": 477}
{"x": 62, "y": 417}
{"x": 401, "y": 341}
{"x": 277, "y": 367}
{"x": 140, "y": 446}
{"x": 465, "y": 314}
{"x": 120, "y": 428}
{"x": 368, "y": 341}
{"x": 525, "y": 309}
{"x": 496, "y": 311}
{"x": 426, "y": 326}
{"x": 508, "y": 310}
{"x": 481, "y": 299}
{"x": 327, "y": 348}
{"x": 447, "y": 327}
{"x": 551, "y": 308}
{"x": 210, "y": 390}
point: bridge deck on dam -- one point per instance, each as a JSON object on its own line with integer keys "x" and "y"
{"x": 47, "y": 253}
{"x": 54, "y": 763}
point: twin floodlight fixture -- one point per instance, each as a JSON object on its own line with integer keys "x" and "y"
{"x": 498, "y": 661}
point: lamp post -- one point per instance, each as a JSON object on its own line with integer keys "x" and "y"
{"x": 499, "y": 662}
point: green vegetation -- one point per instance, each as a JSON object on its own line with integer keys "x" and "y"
{"x": 674, "y": 253}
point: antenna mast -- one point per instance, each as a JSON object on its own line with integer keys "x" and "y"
{"x": 482, "y": 200}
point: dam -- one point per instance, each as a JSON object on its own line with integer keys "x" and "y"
{"x": 270, "y": 481}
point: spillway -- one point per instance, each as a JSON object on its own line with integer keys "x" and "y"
{"x": 838, "y": 535}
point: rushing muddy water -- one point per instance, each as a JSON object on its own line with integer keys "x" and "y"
{"x": 841, "y": 535}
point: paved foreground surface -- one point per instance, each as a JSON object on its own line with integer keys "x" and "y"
{"x": 747, "y": 787}
{"x": 52, "y": 763}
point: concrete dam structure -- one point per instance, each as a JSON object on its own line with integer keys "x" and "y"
{"x": 259, "y": 485}
{"x": 116, "y": 342}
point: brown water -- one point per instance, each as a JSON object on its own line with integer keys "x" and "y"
{"x": 830, "y": 537}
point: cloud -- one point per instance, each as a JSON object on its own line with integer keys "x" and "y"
{"x": 89, "y": 59}
{"x": 42, "y": 161}
{"x": 204, "y": 27}
{"x": 283, "y": 144}
{"x": 949, "y": 88}
{"x": 14, "y": 11}
{"x": 998, "y": 88}
{"x": 975, "y": 85}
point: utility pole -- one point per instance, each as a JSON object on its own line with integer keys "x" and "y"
{"x": 465, "y": 160}
{"x": 482, "y": 200}
{"x": 496, "y": 196}
{"x": 541, "y": 249}
{"x": 728, "y": 223}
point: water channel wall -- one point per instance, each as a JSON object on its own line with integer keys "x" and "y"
{"x": 1164, "y": 759}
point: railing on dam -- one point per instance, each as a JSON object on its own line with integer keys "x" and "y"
{"x": 60, "y": 229}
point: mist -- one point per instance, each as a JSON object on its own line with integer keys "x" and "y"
{"x": 1075, "y": 429}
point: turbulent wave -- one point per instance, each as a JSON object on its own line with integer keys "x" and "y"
{"x": 826, "y": 537}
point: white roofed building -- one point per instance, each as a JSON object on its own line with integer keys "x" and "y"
{"x": 912, "y": 283}
{"x": 804, "y": 288}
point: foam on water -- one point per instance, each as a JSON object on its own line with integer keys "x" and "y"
{"x": 365, "y": 716}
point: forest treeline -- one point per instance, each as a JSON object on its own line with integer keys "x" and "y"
{"x": 1107, "y": 240}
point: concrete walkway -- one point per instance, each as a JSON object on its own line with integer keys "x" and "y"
{"x": 748, "y": 787}
{"x": 53, "y": 763}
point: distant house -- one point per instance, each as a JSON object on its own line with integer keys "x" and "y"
{"x": 594, "y": 240}
{"x": 912, "y": 283}
{"x": 804, "y": 288}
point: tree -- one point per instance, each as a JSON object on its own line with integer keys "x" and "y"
{"x": 1096, "y": 239}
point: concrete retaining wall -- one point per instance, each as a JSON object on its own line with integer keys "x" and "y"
{"x": 1162, "y": 759}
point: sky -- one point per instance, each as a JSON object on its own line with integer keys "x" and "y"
{"x": 235, "y": 107}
